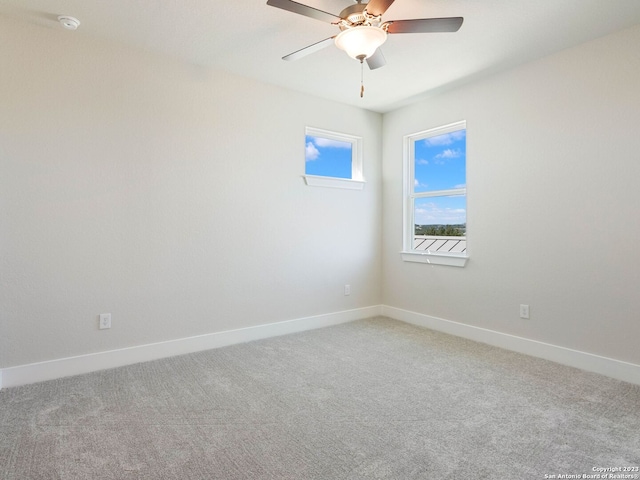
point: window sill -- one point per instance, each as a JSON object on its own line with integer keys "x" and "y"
{"x": 435, "y": 258}
{"x": 318, "y": 181}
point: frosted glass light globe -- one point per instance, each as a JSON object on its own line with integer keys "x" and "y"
{"x": 361, "y": 42}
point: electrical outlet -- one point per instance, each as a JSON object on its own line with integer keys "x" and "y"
{"x": 105, "y": 321}
{"x": 524, "y": 311}
{"x": 347, "y": 290}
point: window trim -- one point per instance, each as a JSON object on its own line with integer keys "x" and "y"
{"x": 409, "y": 196}
{"x": 357, "y": 181}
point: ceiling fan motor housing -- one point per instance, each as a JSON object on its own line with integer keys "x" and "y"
{"x": 355, "y": 15}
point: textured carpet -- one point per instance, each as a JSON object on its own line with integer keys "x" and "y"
{"x": 373, "y": 399}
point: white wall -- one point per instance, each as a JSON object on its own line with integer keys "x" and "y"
{"x": 167, "y": 195}
{"x": 171, "y": 197}
{"x": 553, "y": 166}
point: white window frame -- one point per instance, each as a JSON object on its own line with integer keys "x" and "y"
{"x": 356, "y": 182}
{"x": 409, "y": 197}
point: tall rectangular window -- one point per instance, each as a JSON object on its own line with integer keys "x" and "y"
{"x": 435, "y": 196}
{"x": 333, "y": 159}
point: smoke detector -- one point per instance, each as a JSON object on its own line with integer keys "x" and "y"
{"x": 69, "y": 23}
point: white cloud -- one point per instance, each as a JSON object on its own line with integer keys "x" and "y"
{"x": 422, "y": 162}
{"x": 328, "y": 143}
{"x": 429, "y": 213}
{"x": 448, "y": 153}
{"x": 311, "y": 152}
{"x": 460, "y": 185}
{"x": 446, "y": 139}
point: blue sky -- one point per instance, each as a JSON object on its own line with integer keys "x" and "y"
{"x": 440, "y": 164}
{"x": 330, "y": 158}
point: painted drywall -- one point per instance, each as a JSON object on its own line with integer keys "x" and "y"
{"x": 552, "y": 172}
{"x": 167, "y": 195}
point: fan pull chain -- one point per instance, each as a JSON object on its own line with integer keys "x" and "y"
{"x": 361, "y": 76}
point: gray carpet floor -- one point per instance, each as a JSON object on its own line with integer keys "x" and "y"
{"x": 372, "y": 399}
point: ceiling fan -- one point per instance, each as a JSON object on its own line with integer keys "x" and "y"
{"x": 362, "y": 30}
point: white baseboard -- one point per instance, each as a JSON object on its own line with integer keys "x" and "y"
{"x": 65, "y": 367}
{"x": 610, "y": 367}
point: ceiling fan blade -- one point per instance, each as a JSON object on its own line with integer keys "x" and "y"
{"x": 376, "y": 60}
{"x": 305, "y": 10}
{"x": 303, "y": 52}
{"x": 425, "y": 25}
{"x": 378, "y": 7}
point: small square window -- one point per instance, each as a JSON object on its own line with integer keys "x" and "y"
{"x": 333, "y": 159}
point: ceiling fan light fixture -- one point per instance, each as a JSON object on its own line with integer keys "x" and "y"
{"x": 361, "y": 41}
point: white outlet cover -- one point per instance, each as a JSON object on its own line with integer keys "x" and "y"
{"x": 105, "y": 321}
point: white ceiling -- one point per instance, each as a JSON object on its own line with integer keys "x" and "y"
{"x": 247, "y": 37}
